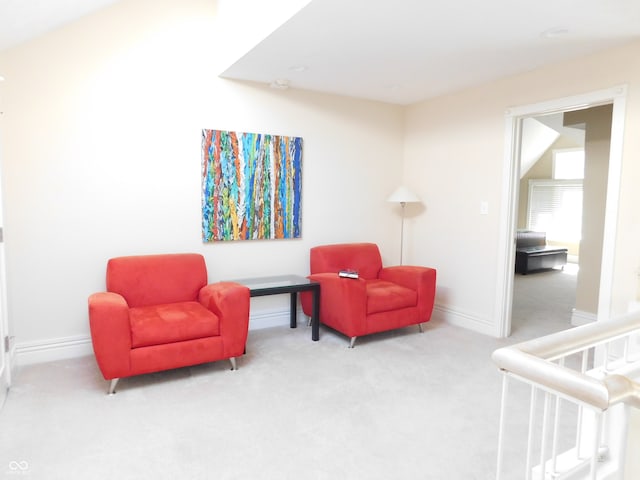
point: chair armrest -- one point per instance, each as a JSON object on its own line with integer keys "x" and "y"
{"x": 110, "y": 333}
{"x": 230, "y": 302}
{"x": 420, "y": 279}
{"x": 343, "y": 302}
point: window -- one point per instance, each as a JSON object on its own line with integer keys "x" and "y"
{"x": 568, "y": 163}
{"x": 555, "y": 207}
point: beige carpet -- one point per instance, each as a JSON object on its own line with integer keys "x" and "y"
{"x": 543, "y": 302}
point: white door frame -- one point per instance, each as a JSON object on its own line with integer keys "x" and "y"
{"x": 513, "y": 135}
{"x": 5, "y": 345}
{"x": 5, "y": 350}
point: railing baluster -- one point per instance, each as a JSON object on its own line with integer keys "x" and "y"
{"x": 585, "y": 360}
{"x": 583, "y": 369}
{"x": 543, "y": 440}
{"x": 532, "y": 411}
{"x": 503, "y": 407}
{"x": 596, "y": 445}
{"x": 579, "y": 432}
{"x": 556, "y": 427}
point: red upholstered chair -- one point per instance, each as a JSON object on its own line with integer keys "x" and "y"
{"x": 382, "y": 298}
{"x": 159, "y": 313}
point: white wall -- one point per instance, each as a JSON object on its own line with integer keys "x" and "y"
{"x": 454, "y": 155}
{"x": 101, "y": 157}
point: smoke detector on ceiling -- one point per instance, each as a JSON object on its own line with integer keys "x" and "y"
{"x": 280, "y": 84}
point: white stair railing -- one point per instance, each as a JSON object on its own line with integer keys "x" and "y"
{"x": 582, "y": 393}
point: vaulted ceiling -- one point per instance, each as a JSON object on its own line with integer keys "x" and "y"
{"x": 399, "y": 51}
{"x": 404, "y": 51}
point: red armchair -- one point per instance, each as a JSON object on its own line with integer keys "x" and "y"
{"x": 382, "y": 298}
{"x": 158, "y": 313}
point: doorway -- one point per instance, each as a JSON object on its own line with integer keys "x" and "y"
{"x": 514, "y": 120}
{"x": 550, "y": 200}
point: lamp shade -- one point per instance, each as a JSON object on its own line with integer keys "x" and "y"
{"x": 403, "y": 195}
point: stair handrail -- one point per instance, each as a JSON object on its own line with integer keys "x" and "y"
{"x": 533, "y": 360}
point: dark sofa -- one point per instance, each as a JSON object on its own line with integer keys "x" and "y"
{"x": 533, "y": 253}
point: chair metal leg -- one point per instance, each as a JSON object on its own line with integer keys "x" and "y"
{"x": 234, "y": 365}
{"x": 353, "y": 340}
{"x": 420, "y": 328}
{"x": 112, "y": 386}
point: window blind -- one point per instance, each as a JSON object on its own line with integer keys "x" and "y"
{"x": 555, "y": 207}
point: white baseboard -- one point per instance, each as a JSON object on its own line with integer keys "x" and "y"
{"x": 464, "y": 320}
{"x": 579, "y": 317}
{"x": 274, "y": 318}
{"x": 50, "y": 350}
{"x": 28, "y": 353}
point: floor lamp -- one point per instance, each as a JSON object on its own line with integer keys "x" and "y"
{"x": 402, "y": 195}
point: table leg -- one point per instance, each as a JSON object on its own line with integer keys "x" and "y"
{"x": 315, "y": 319}
{"x": 294, "y": 310}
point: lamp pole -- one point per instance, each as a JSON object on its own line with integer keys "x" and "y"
{"x": 402, "y": 195}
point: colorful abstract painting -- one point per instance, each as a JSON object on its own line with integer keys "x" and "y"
{"x": 251, "y": 186}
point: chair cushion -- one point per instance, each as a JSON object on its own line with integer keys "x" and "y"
{"x": 145, "y": 280}
{"x": 364, "y": 258}
{"x": 383, "y": 296}
{"x": 169, "y": 323}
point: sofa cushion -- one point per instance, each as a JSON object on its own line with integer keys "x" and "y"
{"x": 168, "y": 323}
{"x": 383, "y": 296}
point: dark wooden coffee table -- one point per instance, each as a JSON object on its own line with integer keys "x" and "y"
{"x": 292, "y": 284}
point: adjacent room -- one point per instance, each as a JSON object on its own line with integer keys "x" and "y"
{"x": 105, "y": 110}
{"x": 564, "y": 166}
